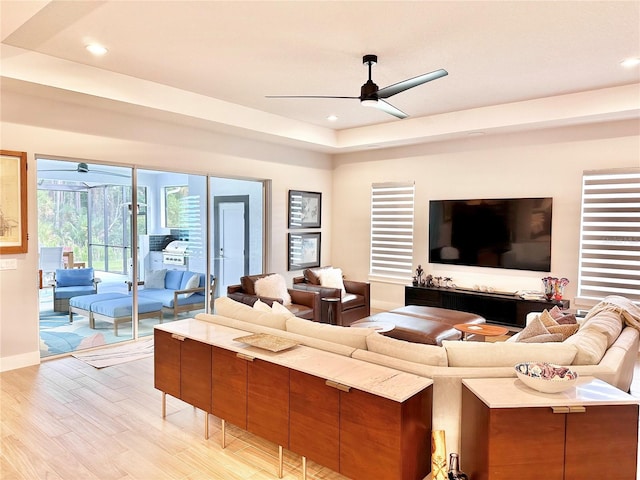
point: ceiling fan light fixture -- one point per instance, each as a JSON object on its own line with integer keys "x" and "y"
{"x": 369, "y": 103}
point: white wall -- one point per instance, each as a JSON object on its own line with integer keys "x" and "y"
{"x": 43, "y": 126}
{"x": 545, "y": 163}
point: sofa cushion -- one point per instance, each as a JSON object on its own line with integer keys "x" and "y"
{"x": 273, "y": 286}
{"x": 312, "y": 275}
{"x": 591, "y": 345}
{"x": 353, "y": 337}
{"x": 154, "y": 278}
{"x": 261, "y": 306}
{"x": 412, "y": 352}
{"x": 277, "y": 307}
{"x": 502, "y": 354}
{"x": 173, "y": 279}
{"x": 606, "y": 322}
{"x": 232, "y": 309}
{"x": 74, "y": 277}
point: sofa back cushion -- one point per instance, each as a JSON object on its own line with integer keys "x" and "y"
{"x": 74, "y": 277}
{"x": 154, "y": 278}
{"x": 230, "y": 308}
{"x": 410, "y": 351}
{"x": 504, "y": 354}
{"x": 352, "y": 337}
{"x": 173, "y": 279}
{"x": 312, "y": 275}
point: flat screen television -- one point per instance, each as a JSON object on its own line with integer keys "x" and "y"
{"x": 501, "y": 232}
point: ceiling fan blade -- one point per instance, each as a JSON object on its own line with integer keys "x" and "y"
{"x": 387, "y": 92}
{"x": 305, "y": 96}
{"x": 388, "y": 108}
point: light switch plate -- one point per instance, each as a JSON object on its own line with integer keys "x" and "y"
{"x": 8, "y": 264}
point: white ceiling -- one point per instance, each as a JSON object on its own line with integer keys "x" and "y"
{"x": 211, "y": 64}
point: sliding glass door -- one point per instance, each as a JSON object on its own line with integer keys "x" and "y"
{"x": 194, "y": 236}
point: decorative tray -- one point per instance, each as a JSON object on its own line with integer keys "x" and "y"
{"x": 267, "y": 342}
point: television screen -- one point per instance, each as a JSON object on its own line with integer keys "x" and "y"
{"x": 504, "y": 233}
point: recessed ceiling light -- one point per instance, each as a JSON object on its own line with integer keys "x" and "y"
{"x": 630, "y": 62}
{"x": 96, "y": 49}
{"x": 332, "y": 118}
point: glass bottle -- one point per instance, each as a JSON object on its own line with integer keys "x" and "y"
{"x": 454, "y": 468}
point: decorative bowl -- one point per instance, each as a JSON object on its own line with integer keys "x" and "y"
{"x": 546, "y": 377}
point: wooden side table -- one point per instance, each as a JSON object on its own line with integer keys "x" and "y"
{"x": 512, "y": 431}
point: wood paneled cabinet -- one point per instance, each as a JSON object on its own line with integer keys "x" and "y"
{"x": 182, "y": 368}
{"x": 345, "y": 429}
{"x": 554, "y": 443}
{"x": 357, "y": 433}
{"x": 251, "y": 394}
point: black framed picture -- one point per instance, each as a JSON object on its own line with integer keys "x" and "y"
{"x": 304, "y": 250}
{"x": 305, "y": 209}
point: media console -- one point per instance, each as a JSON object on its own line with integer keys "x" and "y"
{"x": 504, "y": 309}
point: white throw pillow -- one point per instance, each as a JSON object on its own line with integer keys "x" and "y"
{"x": 273, "y": 286}
{"x": 154, "y": 278}
{"x": 277, "y": 307}
{"x": 261, "y": 306}
{"x": 193, "y": 282}
{"x": 332, "y": 278}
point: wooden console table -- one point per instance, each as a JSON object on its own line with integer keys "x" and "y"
{"x": 509, "y": 310}
{"x": 511, "y": 431}
{"x": 361, "y": 420}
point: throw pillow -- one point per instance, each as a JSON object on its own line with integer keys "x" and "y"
{"x": 546, "y": 337}
{"x": 273, "y": 286}
{"x": 568, "y": 318}
{"x": 332, "y": 278}
{"x": 555, "y": 312}
{"x": 277, "y": 307}
{"x": 193, "y": 282}
{"x": 261, "y": 306}
{"x": 554, "y": 327}
{"x": 534, "y": 329}
{"x": 154, "y": 278}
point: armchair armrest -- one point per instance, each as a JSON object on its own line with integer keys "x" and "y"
{"x": 307, "y": 298}
{"x": 177, "y": 293}
{"x": 234, "y": 289}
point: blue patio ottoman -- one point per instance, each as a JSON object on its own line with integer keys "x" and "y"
{"x": 118, "y": 310}
{"x": 82, "y": 304}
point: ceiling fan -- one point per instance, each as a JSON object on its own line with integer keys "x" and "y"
{"x": 372, "y": 96}
{"x": 82, "y": 167}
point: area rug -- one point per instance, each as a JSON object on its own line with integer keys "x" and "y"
{"x": 107, "y": 357}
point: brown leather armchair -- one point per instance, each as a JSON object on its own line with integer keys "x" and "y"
{"x": 354, "y": 305}
{"x": 304, "y": 304}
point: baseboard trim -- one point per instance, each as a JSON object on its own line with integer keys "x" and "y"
{"x": 19, "y": 361}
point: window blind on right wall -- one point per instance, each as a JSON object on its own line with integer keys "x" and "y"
{"x": 610, "y": 236}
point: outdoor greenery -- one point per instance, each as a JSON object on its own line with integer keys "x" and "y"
{"x": 173, "y": 197}
{"x": 65, "y": 215}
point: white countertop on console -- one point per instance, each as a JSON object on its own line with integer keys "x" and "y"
{"x": 512, "y": 393}
{"x": 375, "y": 379}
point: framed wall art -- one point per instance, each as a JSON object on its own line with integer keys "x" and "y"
{"x": 304, "y": 250}
{"x": 13, "y": 202}
{"x": 305, "y": 209}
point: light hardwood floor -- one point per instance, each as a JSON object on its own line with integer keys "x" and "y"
{"x": 67, "y": 420}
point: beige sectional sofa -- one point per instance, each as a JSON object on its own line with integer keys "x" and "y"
{"x": 605, "y": 346}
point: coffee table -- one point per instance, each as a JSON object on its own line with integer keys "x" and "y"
{"x": 480, "y": 329}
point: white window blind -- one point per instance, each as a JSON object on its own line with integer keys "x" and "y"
{"x": 392, "y": 229}
{"x": 610, "y": 235}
